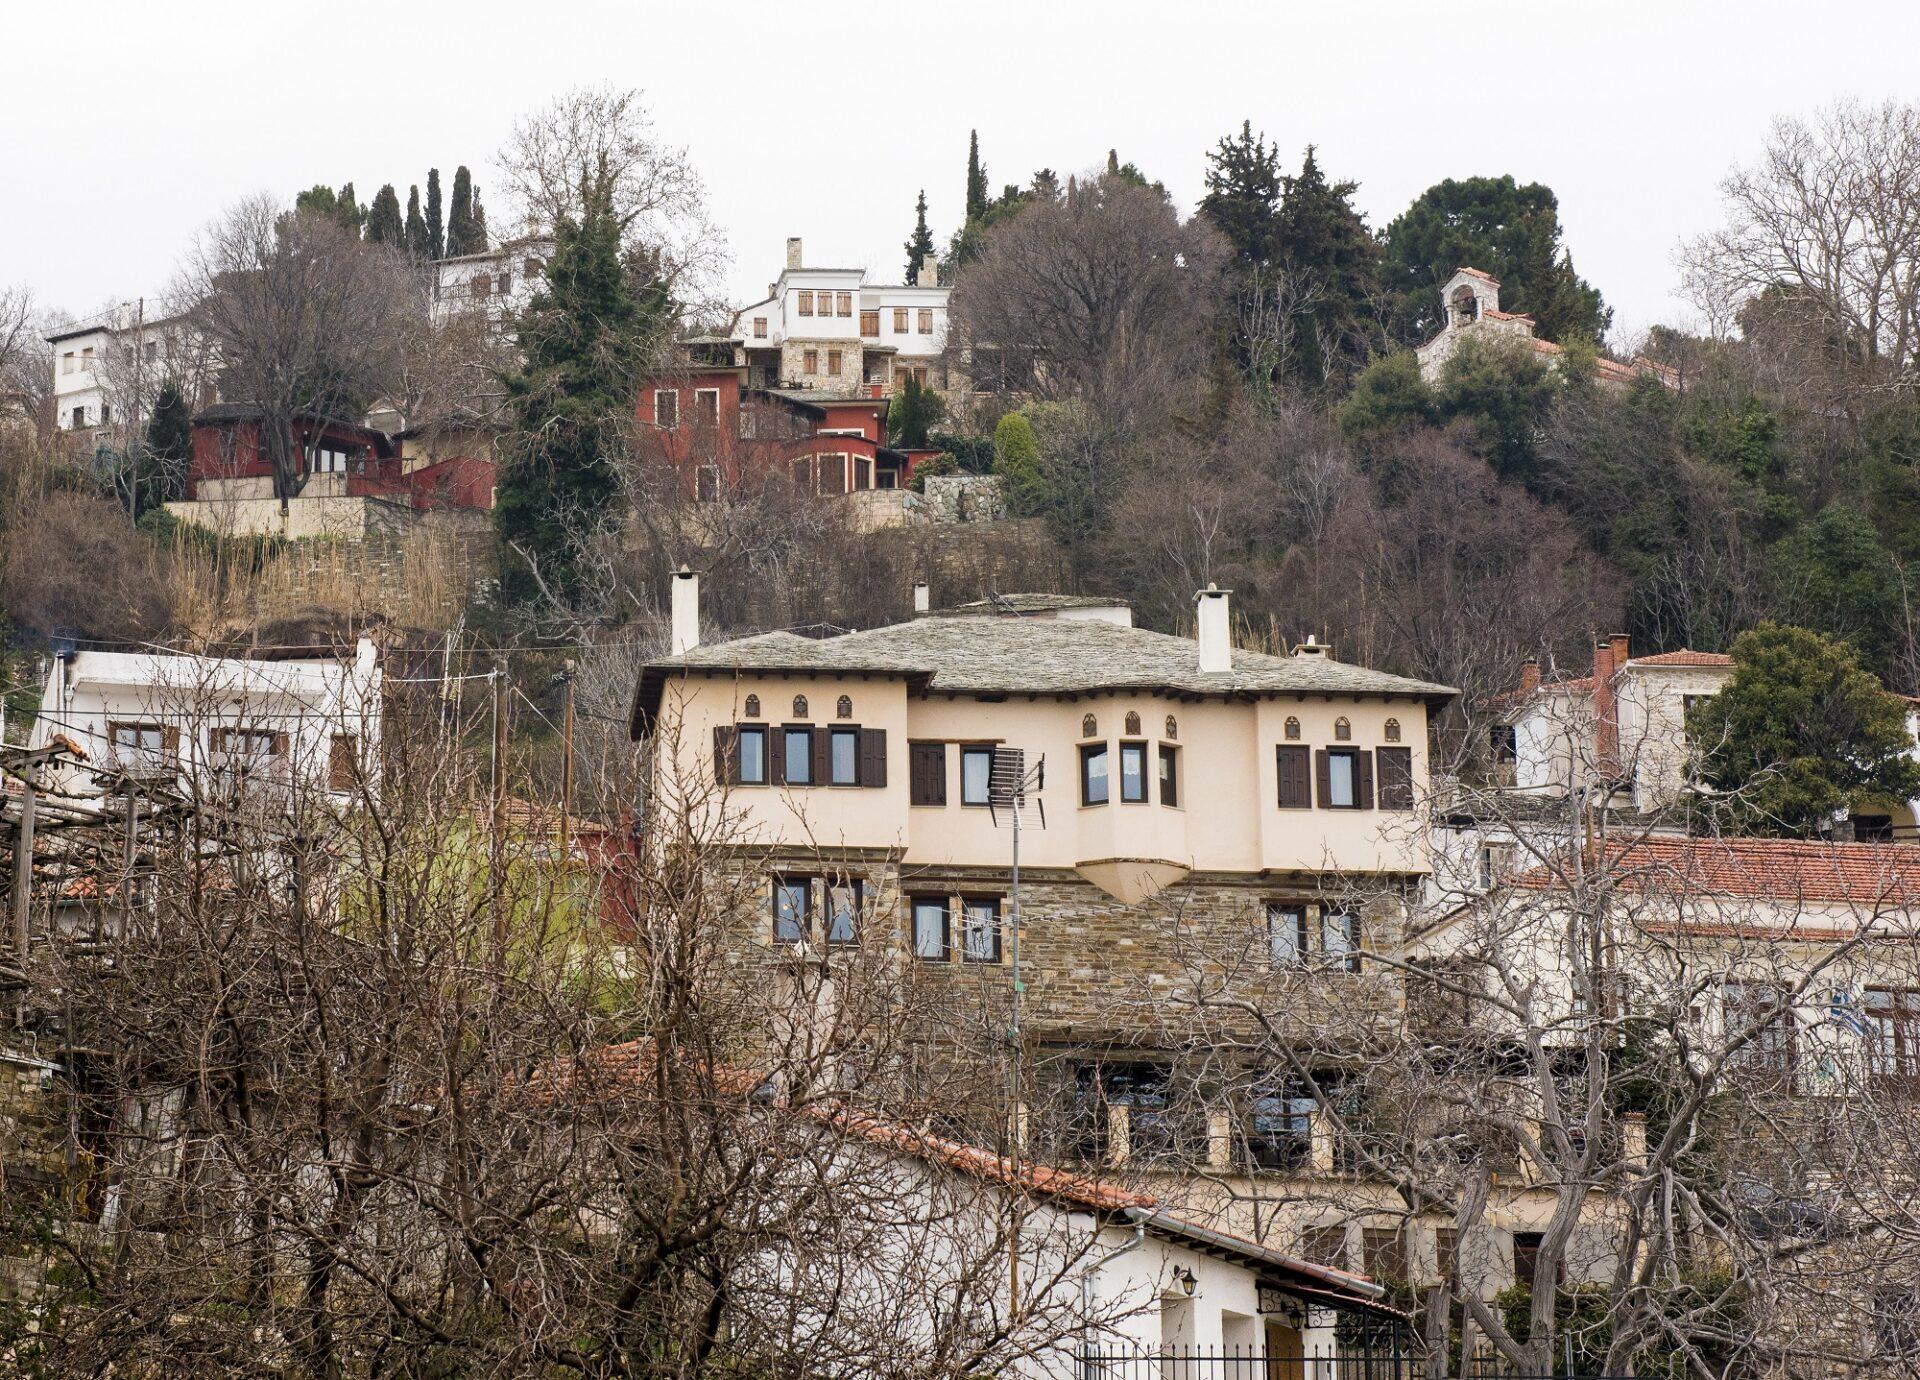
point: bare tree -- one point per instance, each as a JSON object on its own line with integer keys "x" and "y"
{"x": 305, "y": 320}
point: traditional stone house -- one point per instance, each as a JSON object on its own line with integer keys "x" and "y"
{"x": 1471, "y": 302}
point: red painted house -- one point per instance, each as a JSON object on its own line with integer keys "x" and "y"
{"x": 725, "y": 436}
{"x": 348, "y": 459}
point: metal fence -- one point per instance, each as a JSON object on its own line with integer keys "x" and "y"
{"x": 1255, "y": 1363}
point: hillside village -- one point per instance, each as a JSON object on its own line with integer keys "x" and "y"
{"x": 1148, "y": 791}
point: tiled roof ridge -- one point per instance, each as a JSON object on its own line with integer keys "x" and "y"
{"x": 1795, "y": 869}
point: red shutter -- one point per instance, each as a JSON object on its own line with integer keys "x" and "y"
{"x": 1322, "y": 780}
{"x": 873, "y": 757}
{"x": 777, "y": 756}
{"x": 1363, "y": 779}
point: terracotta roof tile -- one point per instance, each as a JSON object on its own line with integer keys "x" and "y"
{"x": 1765, "y": 869}
{"x": 1683, "y": 657}
{"x": 1477, "y": 273}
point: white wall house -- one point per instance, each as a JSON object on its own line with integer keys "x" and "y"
{"x": 109, "y": 368}
{"x": 497, "y": 283}
{"x": 1470, "y": 300}
{"x": 309, "y": 722}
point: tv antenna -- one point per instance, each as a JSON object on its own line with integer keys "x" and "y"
{"x": 1010, "y": 781}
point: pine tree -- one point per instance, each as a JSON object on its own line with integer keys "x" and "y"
{"x": 319, "y": 200}
{"x": 347, "y": 211}
{"x": 460, "y": 228}
{"x": 436, "y": 228}
{"x": 919, "y": 244}
{"x": 976, "y": 178}
{"x": 586, "y": 337}
{"x": 1322, "y": 241}
{"x": 384, "y": 225}
{"x": 1243, "y": 195}
{"x": 165, "y": 450}
{"x": 419, "y": 242}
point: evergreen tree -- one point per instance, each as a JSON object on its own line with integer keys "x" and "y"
{"x": 1800, "y": 733}
{"x": 1493, "y": 224}
{"x": 419, "y": 242}
{"x": 317, "y": 200}
{"x": 1324, "y": 246}
{"x": 585, "y": 337}
{"x": 460, "y": 224}
{"x": 165, "y": 450}
{"x": 919, "y": 244}
{"x": 913, "y": 413}
{"x": 348, "y": 212}
{"x": 1016, "y": 459}
{"x": 384, "y": 225}
{"x": 479, "y": 222}
{"x": 436, "y": 228}
{"x": 1243, "y": 195}
{"x": 976, "y": 178}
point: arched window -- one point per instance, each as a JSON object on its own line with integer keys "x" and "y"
{"x": 753, "y": 706}
{"x": 1293, "y": 729}
{"x": 1393, "y": 730}
{"x": 1173, "y": 728}
{"x": 799, "y": 706}
{"x": 843, "y": 709}
{"x": 1133, "y": 724}
{"x": 1342, "y": 731}
{"x": 1089, "y": 727}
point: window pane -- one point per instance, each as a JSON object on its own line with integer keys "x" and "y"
{"x": 753, "y": 756}
{"x": 799, "y": 756}
{"x": 1133, "y": 771}
{"x": 1339, "y": 936}
{"x": 1340, "y": 780}
{"x": 981, "y": 941}
{"x": 790, "y": 911}
{"x": 930, "y": 929}
{"x": 846, "y": 757}
{"x": 1286, "y": 935}
{"x": 1169, "y": 776}
{"x": 976, "y": 773}
{"x": 843, "y": 913}
{"x": 1093, "y": 776}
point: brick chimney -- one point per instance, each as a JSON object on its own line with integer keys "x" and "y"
{"x": 1530, "y": 675}
{"x": 1609, "y": 655}
{"x": 793, "y": 251}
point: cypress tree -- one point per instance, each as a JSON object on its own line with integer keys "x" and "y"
{"x": 920, "y": 243}
{"x": 586, "y": 337}
{"x": 347, "y": 211}
{"x": 165, "y": 450}
{"x": 419, "y": 243}
{"x": 460, "y": 215}
{"x": 436, "y": 228}
{"x": 384, "y": 225}
{"x": 976, "y": 178}
{"x": 479, "y": 222}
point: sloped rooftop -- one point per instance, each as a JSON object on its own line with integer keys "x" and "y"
{"x": 1006, "y": 655}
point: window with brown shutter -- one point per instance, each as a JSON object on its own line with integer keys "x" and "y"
{"x": 343, "y": 762}
{"x": 776, "y": 756}
{"x": 899, "y": 320}
{"x": 927, "y": 773}
{"x": 1295, "y": 793}
{"x": 1343, "y": 779}
{"x": 869, "y": 323}
{"x": 843, "y": 304}
{"x": 1363, "y": 780}
{"x": 833, "y": 474}
{"x": 1396, "y": 777}
{"x": 806, "y": 304}
{"x": 810, "y": 361}
{"x": 833, "y": 361}
{"x": 726, "y": 754}
{"x": 926, "y": 321}
{"x": 873, "y": 757}
{"x": 822, "y": 758}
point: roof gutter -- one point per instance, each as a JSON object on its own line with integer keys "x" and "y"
{"x": 1180, "y": 1226}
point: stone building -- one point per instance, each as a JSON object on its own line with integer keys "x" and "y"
{"x": 1471, "y": 301}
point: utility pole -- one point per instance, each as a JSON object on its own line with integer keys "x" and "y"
{"x": 566, "y": 760}
{"x": 499, "y": 805}
{"x": 23, "y": 869}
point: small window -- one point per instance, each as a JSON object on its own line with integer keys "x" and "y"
{"x": 980, "y": 930}
{"x": 1133, "y": 772}
{"x": 1173, "y": 727}
{"x": 666, "y": 408}
{"x": 899, "y": 324}
{"x": 869, "y": 324}
{"x": 843, "y": 757}
{"x": 1340, "y": 940}
{"x": 843, "y": 304}
{"x": 706, "y": 484}
{"x": 926, "y": 321}
{"x": 930, "y": 934}
{"x": 1169, "y": 774}
{"x": 532, "y": 268}
{"x": 976, "y": 774}
{"x": 833, "y": 361}
{"x": 343, "y": 762}
{"x": 1089, "y": 727}
{"x": 843, "y": 912}
{"x": 753, "y": 706}
{"x": 706, "y": 406}
{"x": 1393, "y": 730}
{"x": 1504, "y": 743}
{"x": 799, "y": 756}
{"x": 1133, "y": 724}
{"x": 1293, "y": 729}
{"x": 1342, "y": 731}
{"x": 810, "y": 362}
{"x": 503, "y": 285}
{"x": 843, "y": 707}
{"x": 806, "y": 304}
{"x": 753, "y": 756}
{"x": 1343, "y": 781}
{"x": 792, "y": 899}
{"x": 799, "y": 706}
{"x": 1286, "y": 936}
{"x": 1093, "y": 774}
{"x": 759, "y": 328}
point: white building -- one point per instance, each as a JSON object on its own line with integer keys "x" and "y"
{"x": 1471, "y": 303}
{"x": 498, "y": 283}
{"x": 109, "y": 367}
{"x": 830, "y": 329}
{"x": 309, "y": 721}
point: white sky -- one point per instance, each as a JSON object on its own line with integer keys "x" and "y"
{"x": 124, "y": 126}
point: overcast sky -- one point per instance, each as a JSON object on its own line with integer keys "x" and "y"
{"x": 124, "y": 126}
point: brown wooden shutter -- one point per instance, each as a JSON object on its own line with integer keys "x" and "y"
{"x": 873, "y": 757}
{"x": 1363, "y": 779}
{"x": 1396, "y": 778}
{"x": 217, "y": 740}
{"x": 1294, "y": 791}
{"x": 1322, "y": 778}
{"x": 170, "y": 739}
{"x": 927, "y": 773}
{"x": 822, "y": 756}
{"x": 279, "y": 744}
{"x": 343, "y": 762}
{"x": 776, "y": 756}
{"x": 726, "y": 754}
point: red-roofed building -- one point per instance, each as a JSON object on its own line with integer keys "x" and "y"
{"x": 1471, "y": 300}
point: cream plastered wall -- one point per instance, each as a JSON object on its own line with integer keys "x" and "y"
{"x": 1227, "y": 818}
{"x": 1653, "y": 726}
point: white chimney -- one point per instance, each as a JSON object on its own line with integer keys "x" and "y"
{"x": 686, "y": 612}
{"x": 922, "y": 598}
{"x": 1210, "y": 622}
{"x": 793, "y": 251}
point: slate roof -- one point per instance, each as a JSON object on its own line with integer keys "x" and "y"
{"x": 1027, "y": 656}
{"x": 1036, "y": 603}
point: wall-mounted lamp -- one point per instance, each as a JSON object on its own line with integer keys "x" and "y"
{"x": 1186, "y": 1279}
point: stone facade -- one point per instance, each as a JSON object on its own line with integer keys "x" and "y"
{"x": 964, "y": 498}
{"x": 844, "y": 382}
